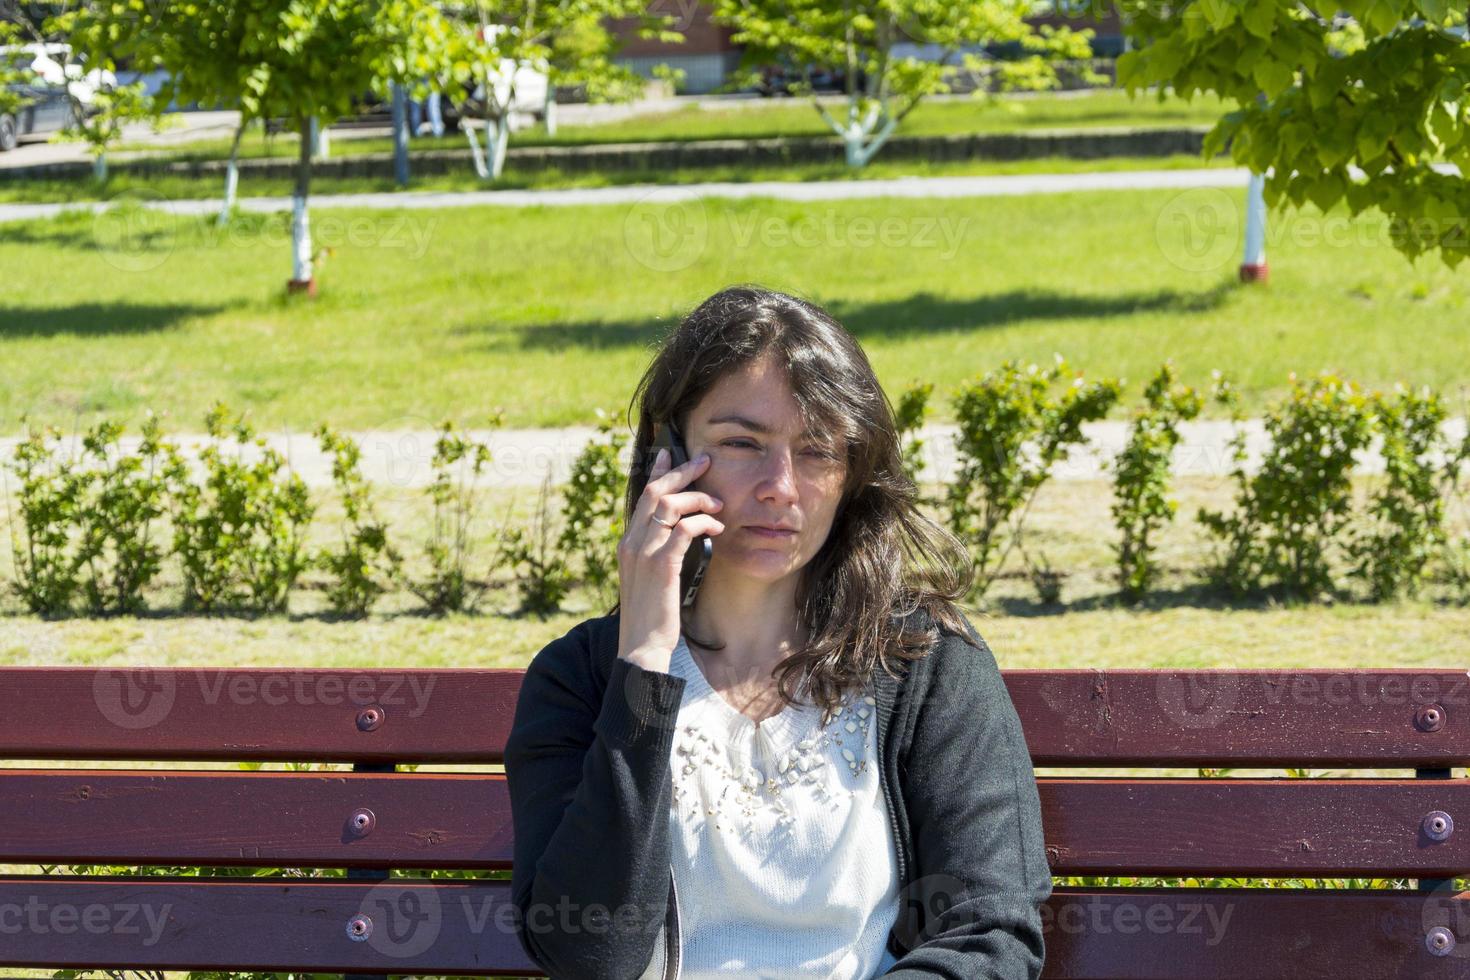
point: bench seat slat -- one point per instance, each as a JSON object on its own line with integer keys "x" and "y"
{"x": 468, "y": 928}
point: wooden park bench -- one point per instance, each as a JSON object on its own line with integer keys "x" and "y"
{"x": 373, "y": 818}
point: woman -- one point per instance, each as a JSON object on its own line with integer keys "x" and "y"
{"x": 815, "y": 769}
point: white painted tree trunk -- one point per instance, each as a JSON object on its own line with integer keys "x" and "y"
{"x": 232, "y": 177}
{"x": 301, "y": 271}
{"x": 550, "y": 109}
{"x": 300, "y": 240}
{"x": 862, "y": 137}
{"x": 477, "y": 156}
{"x": 1253, "y": 261}
{"x": 321, "y": 143}
{"x": 497, "y": 140}
{"x": 99, "y": 167}
{"x": 489, "y": 162}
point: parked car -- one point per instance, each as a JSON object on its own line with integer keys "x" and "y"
{"x": 52, "y": 83}
{"x": 778, "y": 77}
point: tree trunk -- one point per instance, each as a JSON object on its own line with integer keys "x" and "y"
{"x": 99, "y": 167}
{"x": 1253, "y": 262}
{"x": 861, "y": 143}
{"x": 497, "y": 139}
{"x": 232, "y": 175}
{"x": 400, "y": 136}
{"x": 476, "y": 156}
{"x": 550, "y": 109}
{"x": 321, "y": 144}
{"x": 301, "y": 273}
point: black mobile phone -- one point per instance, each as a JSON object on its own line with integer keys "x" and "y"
{"x": 696, "y": 559}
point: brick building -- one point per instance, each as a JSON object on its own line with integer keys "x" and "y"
{"x": 708, "y": 56}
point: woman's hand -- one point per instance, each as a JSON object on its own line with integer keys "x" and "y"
{"x": 650, "y": 556}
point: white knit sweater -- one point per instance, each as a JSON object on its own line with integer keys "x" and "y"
{"x": 783, "y": 857}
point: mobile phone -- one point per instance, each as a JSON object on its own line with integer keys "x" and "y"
{"x": 696, "y": 559}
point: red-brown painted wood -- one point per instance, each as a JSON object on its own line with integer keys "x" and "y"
{"x": 1258, "y": 827}
{"x": 468, "y": 928}
{"x": 1248, "y": 718}
{"x": 227, "y": 714}
{"x": 1379, "y": 719}
{"x": 1261, "y": 718}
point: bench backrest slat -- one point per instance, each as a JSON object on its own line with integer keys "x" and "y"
{"x": 1262, "y": 718}
{"x": 1261, "y": 827}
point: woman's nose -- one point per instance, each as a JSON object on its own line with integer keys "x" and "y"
{"x": 777, "y": 475}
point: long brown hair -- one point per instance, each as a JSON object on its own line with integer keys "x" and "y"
{"x": 883, "y": 558}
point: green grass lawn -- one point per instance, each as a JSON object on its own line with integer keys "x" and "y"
{"x": 549, "y": 313}
{"x": 122, "y": 185}
{"x": 782, "y": 117}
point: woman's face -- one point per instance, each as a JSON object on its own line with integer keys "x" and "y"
{"x": 767, "y": 471}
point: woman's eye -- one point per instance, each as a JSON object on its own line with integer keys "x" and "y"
{"x": 737, "y": 443}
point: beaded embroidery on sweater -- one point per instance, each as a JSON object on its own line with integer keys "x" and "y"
{"x": 845, "y": 736}
{"x": 783, "y": 852}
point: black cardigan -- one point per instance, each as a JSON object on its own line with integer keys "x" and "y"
{"x": 587, "y": 767}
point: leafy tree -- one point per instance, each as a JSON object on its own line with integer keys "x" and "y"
{"x": 99, "y": 106}
{"x": 869, "y": 42}
{"x": 1322, "y": 88}
{"x": 294, "y": 59}
{"x": 493, "y": 43}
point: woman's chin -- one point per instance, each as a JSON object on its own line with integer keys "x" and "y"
{"x": 758, "y": 563}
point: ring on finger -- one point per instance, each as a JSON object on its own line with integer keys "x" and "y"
{"x": 656, "y": 520}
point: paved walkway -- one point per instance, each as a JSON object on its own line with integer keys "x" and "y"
{"x": 524, "y": 457}
{"x": 918, "y": 187}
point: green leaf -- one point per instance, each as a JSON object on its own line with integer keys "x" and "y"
{"x": 1127, "y": 67}
{"x": 1260, "y": 18}
{"x": 1220, "y": 13}
{"x": 1373, "y": 133}
{"x": 1445, "y": 125}
{"x": 1335, "y": 144}
{"x": 1272, "y": 76}
{"x": 1434, "y": 11}
{"x": 1383, "y": 16}
{"x": 1326, "y": 190}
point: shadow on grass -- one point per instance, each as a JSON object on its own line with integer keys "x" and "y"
{"x": 1200, "y": 595}
{"x": 916, "y": 315}
{"x": 96, "y": 319}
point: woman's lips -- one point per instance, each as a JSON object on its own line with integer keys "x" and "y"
{"x": 766, "y": 532}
